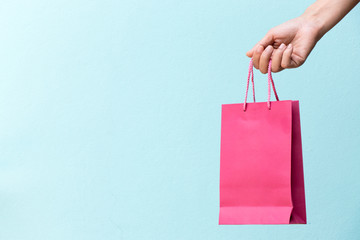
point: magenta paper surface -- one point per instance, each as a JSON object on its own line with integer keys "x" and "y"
{"x": 261, "y": 169}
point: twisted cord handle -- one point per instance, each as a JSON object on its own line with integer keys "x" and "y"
{"x": 270, "y": 82}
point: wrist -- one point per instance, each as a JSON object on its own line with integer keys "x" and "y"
{"x": 325, "y": 14}
{"x": 315, "y": 18}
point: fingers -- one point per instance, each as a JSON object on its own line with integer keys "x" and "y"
{"x": 277, "y": 58}
{"x": 256, "y": 56}
{"x": 281, "y": 58}
{"x": 286, "y": 58}
{"x": 265, "y": 58}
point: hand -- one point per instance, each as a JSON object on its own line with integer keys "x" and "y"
{"x": 288, "y": 45}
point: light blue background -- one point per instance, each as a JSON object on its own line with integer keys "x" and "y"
{"x": 110, "y": 118}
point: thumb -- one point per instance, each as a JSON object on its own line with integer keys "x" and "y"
{"x": 267, "y": 40}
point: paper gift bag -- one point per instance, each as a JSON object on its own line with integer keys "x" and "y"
{"x": 261, "y": 167}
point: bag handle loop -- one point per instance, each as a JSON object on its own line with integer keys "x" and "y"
{"x": 270, "y": 80}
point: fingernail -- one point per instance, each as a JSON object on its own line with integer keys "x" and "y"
{"x": 268, "y": 48}
{"x": 260, "y": 48}
{"x": 282, "y": 46}
{"x": 290, "y": 46}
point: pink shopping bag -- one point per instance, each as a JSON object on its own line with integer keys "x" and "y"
{"x": 261, "y": 167}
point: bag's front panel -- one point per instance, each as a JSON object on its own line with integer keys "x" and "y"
{"x": 255, "y": 164}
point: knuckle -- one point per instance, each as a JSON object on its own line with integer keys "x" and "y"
{"x": 275, "y": 69}
{"x": 301, "y": 63}
{"x": 284, "y": 65}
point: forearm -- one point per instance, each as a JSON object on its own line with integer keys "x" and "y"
{"x": 325, "y": 14}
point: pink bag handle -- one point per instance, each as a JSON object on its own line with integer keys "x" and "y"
{"x": 270, "y": 79}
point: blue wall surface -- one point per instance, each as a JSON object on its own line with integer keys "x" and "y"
{"x": 110, "y": 118}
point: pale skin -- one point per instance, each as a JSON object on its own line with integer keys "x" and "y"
{"x": 289, "y": 44}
